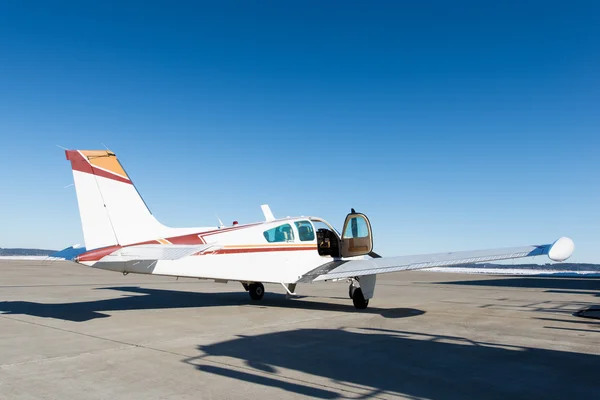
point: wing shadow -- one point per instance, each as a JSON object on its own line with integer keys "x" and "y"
{"x": 154, "y": 299}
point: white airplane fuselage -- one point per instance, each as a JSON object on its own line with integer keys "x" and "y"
{"x": 240, "y": 253}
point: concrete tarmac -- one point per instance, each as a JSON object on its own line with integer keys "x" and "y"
{"x": 74, "y": 332}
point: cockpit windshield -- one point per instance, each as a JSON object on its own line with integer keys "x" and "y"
{"x": 318, "y": 224}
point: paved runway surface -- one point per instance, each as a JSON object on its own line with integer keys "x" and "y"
{"x": 72, "y": 332}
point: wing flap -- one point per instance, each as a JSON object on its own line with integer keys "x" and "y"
{"x": 351, "y": 268}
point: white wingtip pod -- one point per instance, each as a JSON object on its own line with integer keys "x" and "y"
{"x": 561, "y": 249}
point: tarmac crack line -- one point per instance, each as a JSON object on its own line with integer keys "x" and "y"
{"x": 66, "y": 330}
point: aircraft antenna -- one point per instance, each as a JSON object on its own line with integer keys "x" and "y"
{"x": 221, "y": 224}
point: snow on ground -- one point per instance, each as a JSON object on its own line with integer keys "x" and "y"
{"x": 514, "y": 271}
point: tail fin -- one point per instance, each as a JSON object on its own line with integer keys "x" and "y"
{"x": 111, "y": 209}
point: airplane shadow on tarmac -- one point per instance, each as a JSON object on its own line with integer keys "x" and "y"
{"x": 153, "y": 299}
{"x": 368, "y": 363}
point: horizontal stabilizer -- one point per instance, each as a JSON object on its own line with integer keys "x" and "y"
{"x": 155, "y": 252}
{"x": 558, "y": 251}
{"x": 70, "y": 253}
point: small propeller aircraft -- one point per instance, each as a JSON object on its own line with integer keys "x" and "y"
{"x": 122, "y": 235}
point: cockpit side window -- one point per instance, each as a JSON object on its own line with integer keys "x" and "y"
{"x": 282, "y": 233}
{"x": 305, "y": 231}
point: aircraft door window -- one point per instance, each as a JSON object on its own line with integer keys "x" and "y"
{"x": 283, "y": 233}
{"x": 357, "y": 228}
{"x": 306, "y": 232}
{"x": 357, "y": 238}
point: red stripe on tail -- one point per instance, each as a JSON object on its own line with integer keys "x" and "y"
{"x": 79, "y": 163}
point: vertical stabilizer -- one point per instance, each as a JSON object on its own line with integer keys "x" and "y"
{"x": 111, "y": 209}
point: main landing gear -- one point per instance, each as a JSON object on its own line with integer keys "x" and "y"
{"x": 356, "y": 294}
{"x": 256, "y": 290}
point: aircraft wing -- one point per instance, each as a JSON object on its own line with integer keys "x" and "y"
{"x": 155, "y": 252}
{"x": 558, "y": 251}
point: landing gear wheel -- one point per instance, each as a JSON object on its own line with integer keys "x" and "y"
{"x": 359, "y": 300}
{"x": 350, "y": 291}
{"x": 256, "y": 290}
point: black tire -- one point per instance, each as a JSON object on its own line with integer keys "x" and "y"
{"x": 360, "y": 303}
{"x": 256, "y": 290}
{"x": 350, "y": 291}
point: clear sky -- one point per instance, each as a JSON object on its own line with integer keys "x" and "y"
{"x": 454, "y": 125}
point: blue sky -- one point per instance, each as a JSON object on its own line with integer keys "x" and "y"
{"x": 453, "y": 125}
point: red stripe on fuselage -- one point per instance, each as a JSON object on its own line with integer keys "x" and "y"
{"x": 230, "y": 229}
{"x": 257, "y": 250}
{"x": 187, "y": 239}
{"x": 198, "y": 238}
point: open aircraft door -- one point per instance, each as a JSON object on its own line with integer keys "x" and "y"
{"x": 357, "y": 237}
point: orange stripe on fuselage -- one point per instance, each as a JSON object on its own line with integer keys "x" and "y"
{"x": 239, "y": 250}
{"x": 235, "y": 246}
